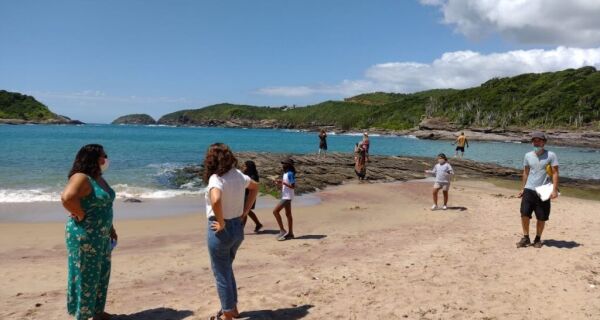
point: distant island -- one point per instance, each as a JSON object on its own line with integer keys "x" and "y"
{"x": 138, "y": 118}
{"x": 17, "y": 108}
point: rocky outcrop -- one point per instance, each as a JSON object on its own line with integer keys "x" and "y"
{"x": 58, "y": 120}
{"x": 138, "y": 119}
{"x": 315, "y": 173}
{"x": 337, "y": 168}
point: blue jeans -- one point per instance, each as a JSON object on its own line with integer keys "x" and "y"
{"x": 222, "y": 247}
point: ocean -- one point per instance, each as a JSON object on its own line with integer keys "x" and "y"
{"x": 35, "y": 159}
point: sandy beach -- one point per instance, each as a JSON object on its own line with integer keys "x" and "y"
{"x": 369, "y": 251}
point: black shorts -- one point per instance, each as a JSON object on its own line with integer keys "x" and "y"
{"x": 531, "y": 202}
{"x": 461, "y": 149}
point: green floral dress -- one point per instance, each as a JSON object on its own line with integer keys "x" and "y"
{"x": 89, "y": 250}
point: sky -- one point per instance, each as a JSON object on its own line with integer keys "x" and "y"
{"x": 97, "y": 60}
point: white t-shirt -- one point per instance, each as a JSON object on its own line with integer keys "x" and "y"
{"x": 233, "y": 185}
{"x": 287, "y": 193}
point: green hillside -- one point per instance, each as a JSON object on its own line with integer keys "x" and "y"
{"x": 567, "y": 99}
{"x": 19, "y": 106}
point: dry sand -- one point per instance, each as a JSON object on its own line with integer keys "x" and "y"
{"x": 370, "y": 251}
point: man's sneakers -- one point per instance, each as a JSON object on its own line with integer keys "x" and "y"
{"x": 444, "y": 207}
{"x": 435, "y": 207}
{"x": 526, "y": 242}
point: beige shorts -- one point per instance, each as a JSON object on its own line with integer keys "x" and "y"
{"x": 445, "y": 186}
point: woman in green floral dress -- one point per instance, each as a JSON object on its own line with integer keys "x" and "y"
{"x": 89, "y": 231}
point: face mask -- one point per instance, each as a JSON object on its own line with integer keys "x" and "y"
{"x": 538, "y": 149}
{"x": 104, "y": 167}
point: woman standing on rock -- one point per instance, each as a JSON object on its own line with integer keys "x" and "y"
{"x": 360, "y": 161}
{"x": 322, "y": 142}
{"x": 225, "y": 210}
{"x": 89, "y": 230}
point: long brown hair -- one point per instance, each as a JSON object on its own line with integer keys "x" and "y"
{"x": 86, "y": 161}
{"x": 219, "y": 160}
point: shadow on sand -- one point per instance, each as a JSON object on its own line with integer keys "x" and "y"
{"x": 457, "y": 208}
{"x": 561, "y": 244}
{"x": 279, "y": 314}
{"x": 156, "y": 314}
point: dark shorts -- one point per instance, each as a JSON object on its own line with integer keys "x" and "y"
{"x": 531, "y": 202}
{"x": 285, "y": 202}
{"x": 461, "y": 149}
{"x": 323, "y": 146}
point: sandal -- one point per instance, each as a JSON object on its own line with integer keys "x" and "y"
{"x": 216, "y": 316}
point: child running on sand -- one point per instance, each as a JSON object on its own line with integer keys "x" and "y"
{"x": 288, "y": 184}
{"x": 442, "y": 171}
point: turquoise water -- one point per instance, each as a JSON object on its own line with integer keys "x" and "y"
{"x": 35, "y": 159}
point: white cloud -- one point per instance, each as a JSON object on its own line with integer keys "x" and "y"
{"x": 553, "y": 22}
{"x": 459, "y": 69}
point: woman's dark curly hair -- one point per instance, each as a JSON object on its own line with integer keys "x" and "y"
{"x": 218, "y": 160}
{"x": 251, "y": 170}
{"x": 86, "y": 161}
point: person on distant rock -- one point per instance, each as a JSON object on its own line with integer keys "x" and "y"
{"x": 442, "y": 171}
{"x": 322, "y": 143}
{"x": 366, "y": 144}
{"x": 249, "y": 169}
{"x": 360, "y": 161}
{"x": 538, "y": 166}
{"x": 461, "y": 142}
{"x": 288, "y": 185}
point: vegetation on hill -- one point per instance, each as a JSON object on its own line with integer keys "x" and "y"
{"x": 568, "y": 98}
{"x": 14, "y": 105}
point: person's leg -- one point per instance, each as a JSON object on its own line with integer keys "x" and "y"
{"x": 238, "y": 234}
{"x": 254, "y": 218}
{"x": 525, "y": 225}
{"x": 539, "y": 228}
{"x": 290, "y": 219}
{"x": 526, "y": 213}
{"x": 219, "y": 249}
{"x": 435, "y": 196}
{"x": 278, "y": 216}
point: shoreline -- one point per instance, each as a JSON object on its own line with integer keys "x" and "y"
{"x": 558, "y": 136}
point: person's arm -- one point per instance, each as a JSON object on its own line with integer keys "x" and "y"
{"x": 554, "y": 194}
{"x": 251, "y": 198}
{"x": 432, "y": 171}
{"x": 524, "y": 180}
{"x": 77, "y": 188}
{"x": 217, "y": 206}
{"x": 466, "y": 142}
{"x": 292, "y": 181}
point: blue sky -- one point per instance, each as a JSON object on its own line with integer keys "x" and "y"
{"x": 96, "y": 60}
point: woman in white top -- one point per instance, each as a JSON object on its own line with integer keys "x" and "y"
{"x": 225, "y": 209}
